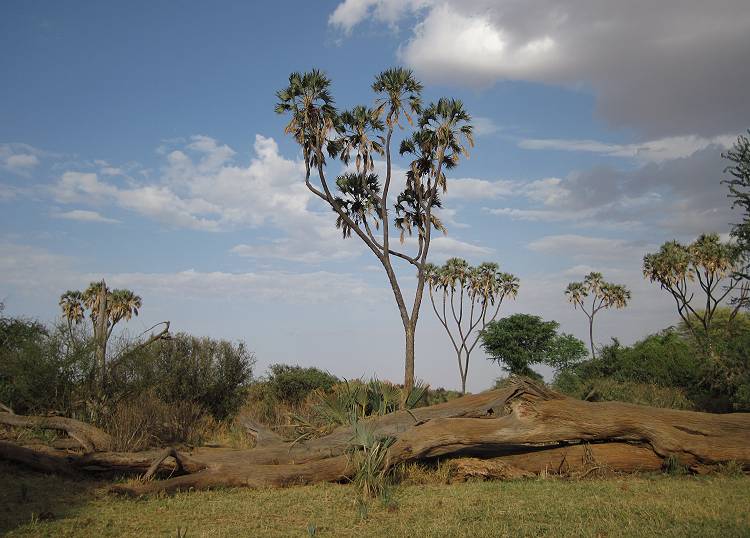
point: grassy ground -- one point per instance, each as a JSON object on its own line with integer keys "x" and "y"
{"x": 38, "y": 505}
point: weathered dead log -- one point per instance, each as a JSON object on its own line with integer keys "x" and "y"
{"x": 573, "y": 460}
{"x": 264, "y": 436}
{"x": 524, "y": 428}
{"x": 89, "y": 437}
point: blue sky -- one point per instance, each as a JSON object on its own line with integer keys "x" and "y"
{"x": 138, "y": 142}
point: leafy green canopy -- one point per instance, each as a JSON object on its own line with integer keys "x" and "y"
{"x": 522, "y": 340}
{"x": 291, "y": 384}
{"x": 739, "y": 190}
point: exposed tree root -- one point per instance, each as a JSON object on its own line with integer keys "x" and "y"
{"x": 519, "y": 430}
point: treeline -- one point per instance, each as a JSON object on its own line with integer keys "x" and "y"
{"x": 179, "y": 389}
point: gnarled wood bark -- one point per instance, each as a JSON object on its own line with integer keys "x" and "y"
{"x": 523, "y": 428}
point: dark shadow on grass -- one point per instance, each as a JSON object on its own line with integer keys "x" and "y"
{"x": 26, "y": 496}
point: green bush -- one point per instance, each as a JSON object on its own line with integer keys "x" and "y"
{"x": 291, "y": 384}
{"x": 665, "y": 359}
{"x": 439, "y": 395}
{"x": 43, "y": 369}
{"x": 349, "y": 401}
{"x": 608, "y": 389}
{"x": 40, "y": 369}
{"x": 211, "y": 373}
{"x": 672, "y": 359}
{"x": 520, "y": 341}
{"x": 729, "y": 373}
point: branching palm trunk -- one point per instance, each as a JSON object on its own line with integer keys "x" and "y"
{"x": 383, "y": 252}
{"x": 460, "y": 341}
{"x": 360, "y": 205}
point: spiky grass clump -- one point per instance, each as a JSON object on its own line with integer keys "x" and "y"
{"x": 349, "y": 402}
{"x": 369, "y": 456}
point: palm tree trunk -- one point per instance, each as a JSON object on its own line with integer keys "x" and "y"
{"x": 409, "y": 330}
{"x": 101, "y": 337}
{"x": 591, "y": 336}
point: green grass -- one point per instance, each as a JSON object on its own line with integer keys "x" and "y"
{"x": 656, "y": 505}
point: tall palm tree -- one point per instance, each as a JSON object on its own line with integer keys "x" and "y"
{"x": 360, "y": 202}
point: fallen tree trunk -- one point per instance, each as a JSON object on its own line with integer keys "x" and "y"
{"x": 90, "y": 438}
{"x": 521, "y": 429}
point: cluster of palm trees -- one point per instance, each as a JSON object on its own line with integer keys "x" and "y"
{"x": 120, "y": 304}
{"x": 105, "y": 309}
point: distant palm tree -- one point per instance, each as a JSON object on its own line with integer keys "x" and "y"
{"x": 603, "y": 295}
{"x": 471, "y": 298}
{"x": 115, "y": 305}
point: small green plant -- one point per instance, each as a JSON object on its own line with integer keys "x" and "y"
{"x": 362, "y": 508}
{"x": 672, "y": 466}
{"x": 731, "y": 468}
{"x": 312, "y": 529}
{"x": 369, "y": 455}
{"x": 388, "y": 498}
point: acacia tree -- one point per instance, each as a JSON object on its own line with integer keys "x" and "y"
{"x": 359, "y": 199}
{"x": 105, "y": 309}
{"x": 707, "y": 266}
{"x": 602, "y": 295}
{"x": 521, "y": 340}
{"x": 474, "y": 295}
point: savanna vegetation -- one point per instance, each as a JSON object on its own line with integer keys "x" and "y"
{"x": 168, "y": 412}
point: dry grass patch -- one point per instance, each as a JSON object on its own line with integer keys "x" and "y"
{"x": 628, "y": 506}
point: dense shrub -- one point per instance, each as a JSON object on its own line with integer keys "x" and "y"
{"x": 146, "y": 421}
{"x": 291, "y": 384}
{"x": 726, "y": 371}
{"x": 211, "y": 373}
{"x": 717, "y": 381}
{"x": 665, "y": 359}
{"x": 40, "y": 369}
{"x": 728, "y": 374}
{"x": 609, "y": 389}
{"x": 53, "y": 368}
